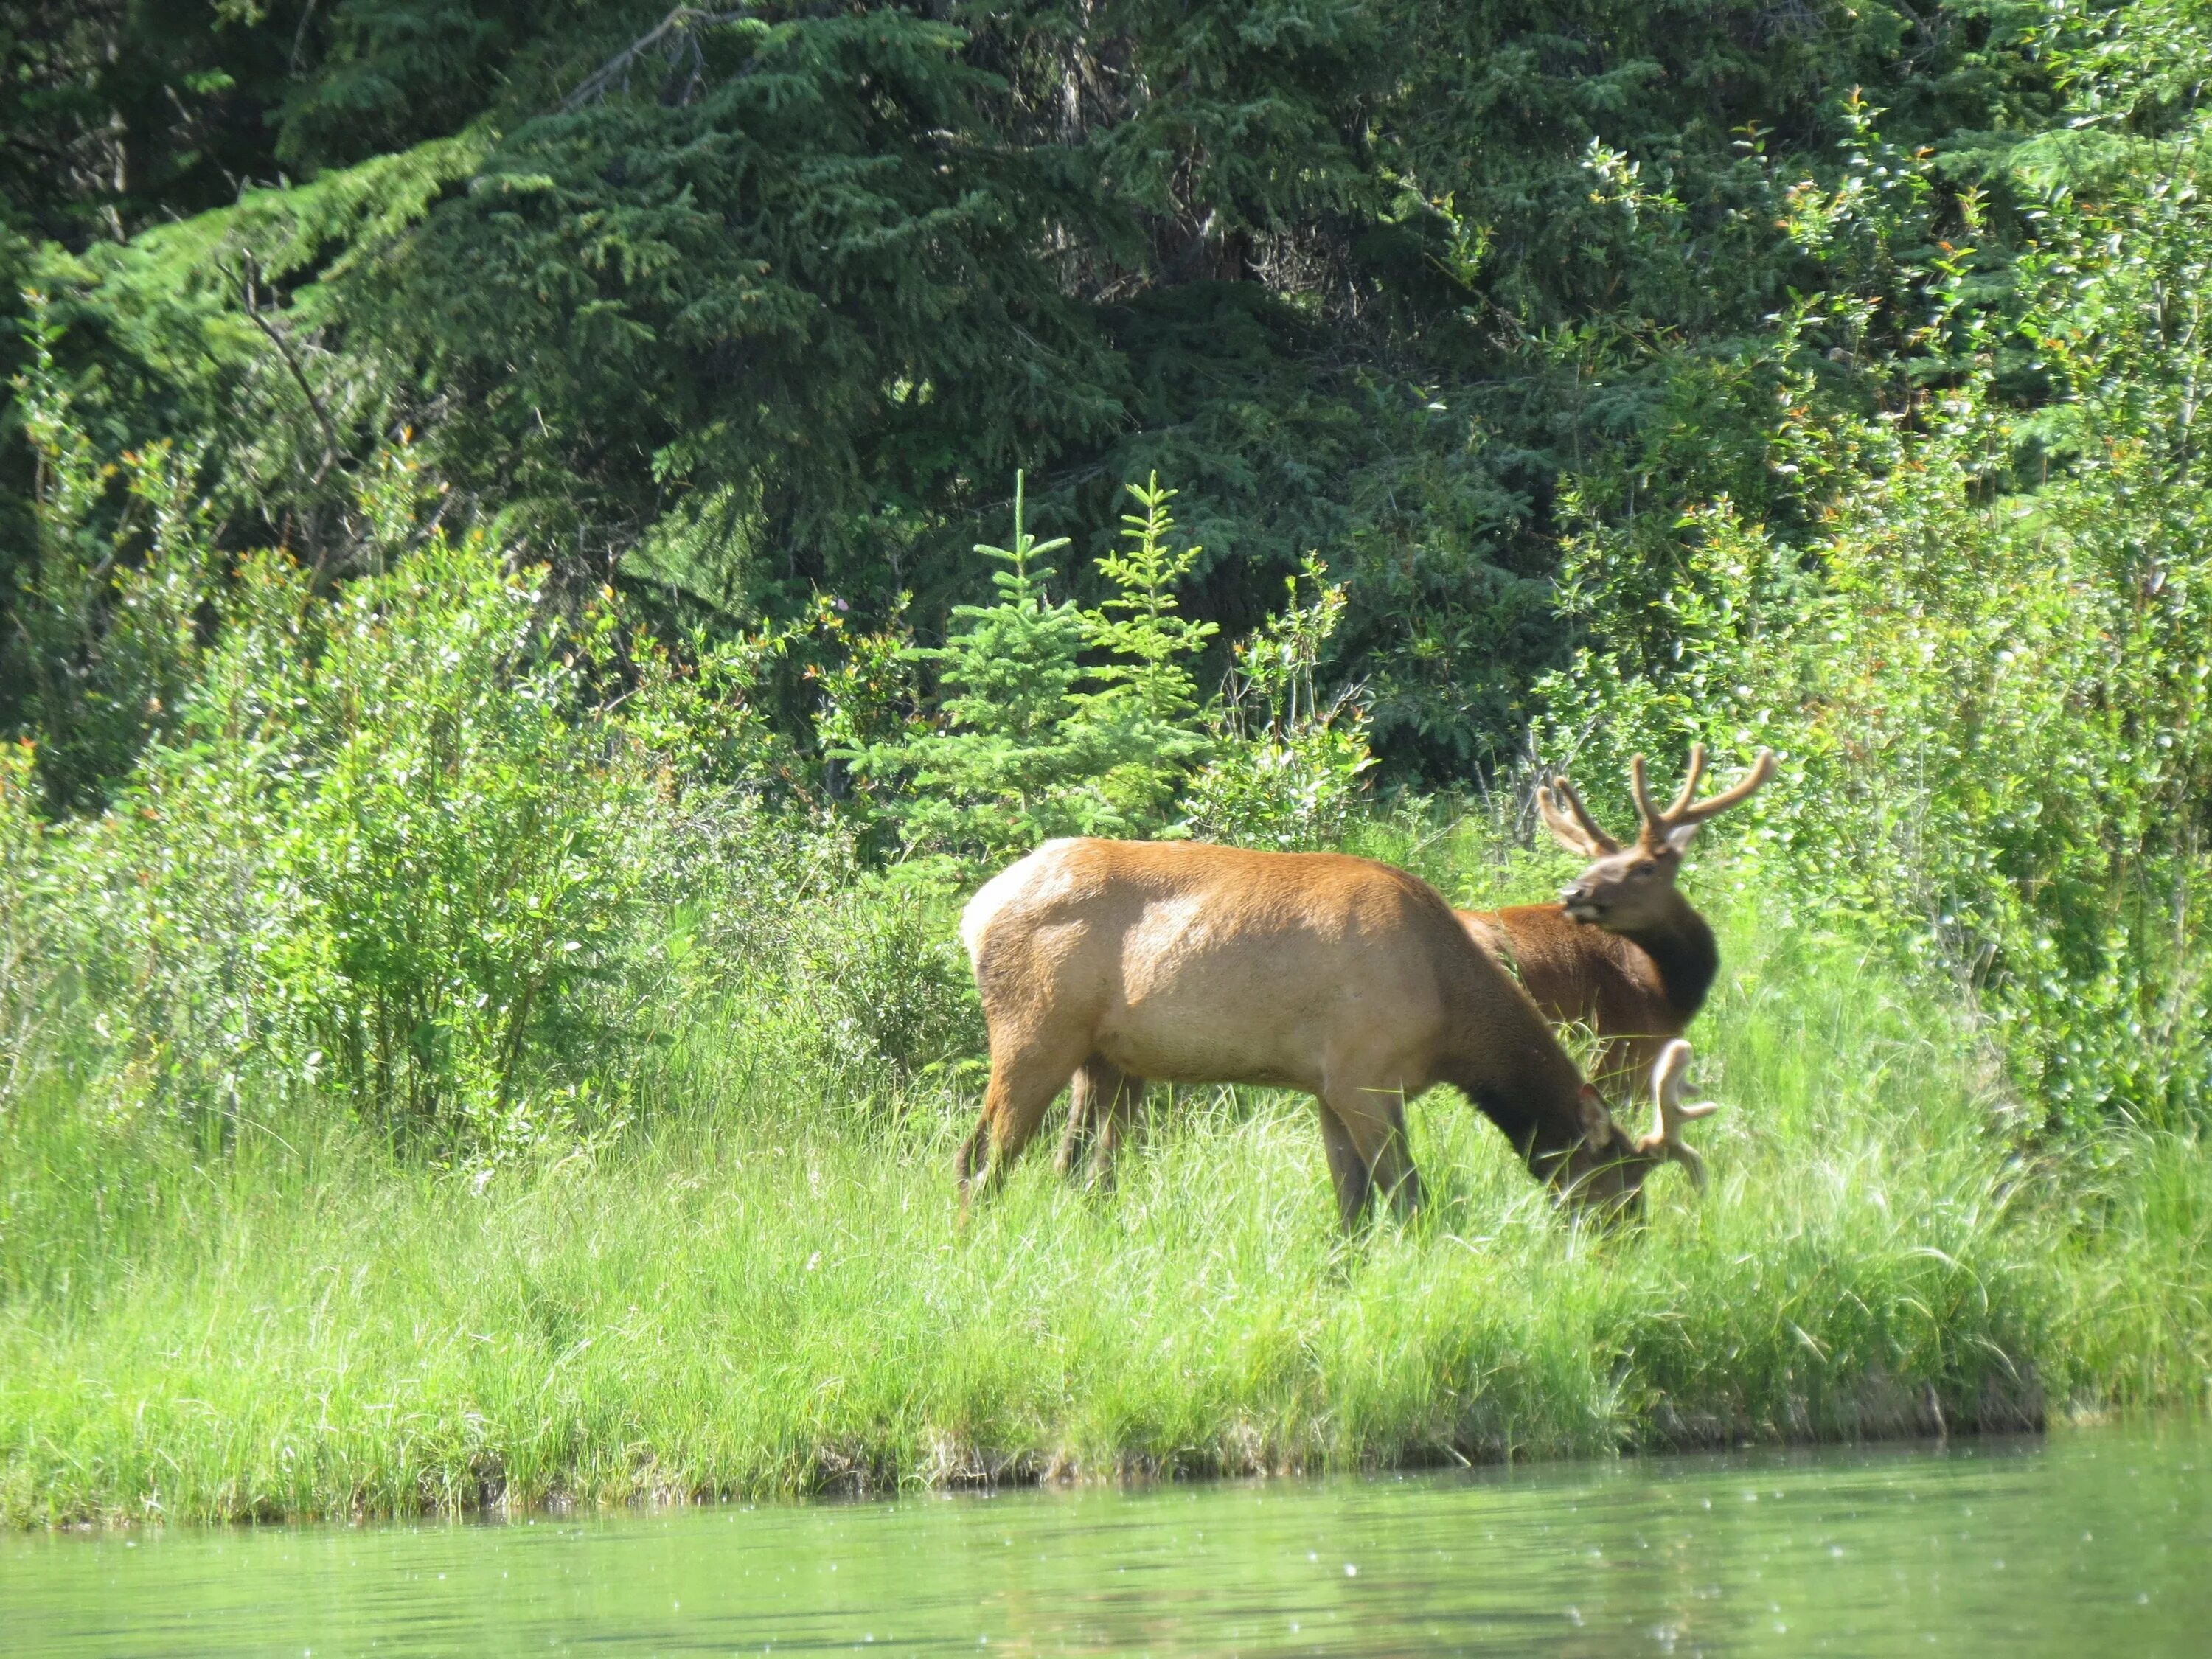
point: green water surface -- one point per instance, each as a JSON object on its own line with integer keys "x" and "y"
{"x": 2091, "y": 1542}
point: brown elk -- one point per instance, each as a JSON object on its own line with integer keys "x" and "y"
{"x": 1120, "y": 961}
{"x": 1623, "y": 952}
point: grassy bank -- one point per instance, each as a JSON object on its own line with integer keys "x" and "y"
{"x": 757, "y": 1290}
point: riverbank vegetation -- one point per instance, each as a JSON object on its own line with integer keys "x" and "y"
{"x": 764, "y": 1291}
{"x": 502, "y": 719}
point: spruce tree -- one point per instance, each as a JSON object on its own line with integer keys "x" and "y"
{"x": 1006, "y": 766}
{"x": 1031, "y": 744}
{"x": 1145, "y": 716}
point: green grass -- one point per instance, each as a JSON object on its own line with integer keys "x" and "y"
{"x": 760, "y": 1290}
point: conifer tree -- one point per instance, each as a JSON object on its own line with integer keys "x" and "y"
{"x": 777, "y": 284}
{"x": 1003, "y": 769}
{"x": 1146, "y": 715}
{"x": 1030, "y": 743}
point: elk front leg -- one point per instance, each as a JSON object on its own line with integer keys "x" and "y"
{"x": 1374, "y": 1120}
{"x": 1347, "y": 1171}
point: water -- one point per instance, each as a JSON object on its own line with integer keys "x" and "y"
{"x": 2092, "y": 1542}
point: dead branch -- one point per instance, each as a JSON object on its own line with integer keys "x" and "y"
{"x": 248, "y": 278}
{"x": 616, "y": 68}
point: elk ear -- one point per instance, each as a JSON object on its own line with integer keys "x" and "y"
{"x": 1681, "y": 836}
{"x": 1596, "y": 1121}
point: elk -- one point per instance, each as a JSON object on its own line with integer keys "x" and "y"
{"x": 1623, "y": 951}
{"x": 1115, "y": 962}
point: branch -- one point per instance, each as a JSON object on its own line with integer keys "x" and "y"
{"x": 618, "y": 66}
{"x": 246, "y": 282}
{"x": 300, "y": 35}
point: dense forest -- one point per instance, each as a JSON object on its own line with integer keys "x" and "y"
{"x": 736, "y": 307}
{"x": 1805, "y": 373}
{"x": 543, "y": 549}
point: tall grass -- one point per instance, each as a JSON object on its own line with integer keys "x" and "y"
{"x": 757, "y": 1289}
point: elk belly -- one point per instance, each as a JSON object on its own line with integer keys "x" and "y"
{"x": 1205, "y": 998}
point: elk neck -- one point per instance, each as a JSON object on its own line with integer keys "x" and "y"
{"x": 1682, "y": 948}
{"x": 1511, "y": 1068}
{"x": 1538, "y": 1111}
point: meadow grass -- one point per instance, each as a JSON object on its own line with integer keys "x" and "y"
{"x": 758, "y": 1290}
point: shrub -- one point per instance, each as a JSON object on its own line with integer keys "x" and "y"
{"x": 887, "y": 989}
{"x": 460, "y": 840}
{"x": 26, "y": 949}
{"x": 1989, "y": 671}
{"x": 105, "y": 625}
{"x": 1288, "y": 771}
{"x": 390, "y": 851}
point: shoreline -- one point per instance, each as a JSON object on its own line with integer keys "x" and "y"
{"x": 499, "y": 1512}
{"x": 756, "y": 1289}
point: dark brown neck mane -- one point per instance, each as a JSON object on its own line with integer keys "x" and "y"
{"x": 1535, "y": 1097}
{"x": 1682, "y": 948}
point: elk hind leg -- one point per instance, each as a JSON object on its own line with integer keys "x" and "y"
{"x": 1101, "y": 1103}
{"x": 1082, "y": 1127}
{"x": 1115, "y": 1098}
{"x": 1022, "y": 1087}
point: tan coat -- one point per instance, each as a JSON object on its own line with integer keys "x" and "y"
{"x": 1352, "y": 981}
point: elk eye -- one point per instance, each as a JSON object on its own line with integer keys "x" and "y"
{"x": 1645, "y": 868}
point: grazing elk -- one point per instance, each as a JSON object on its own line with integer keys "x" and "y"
{"x": 1623, "y": 952}
{"x": 1127, "y": 961}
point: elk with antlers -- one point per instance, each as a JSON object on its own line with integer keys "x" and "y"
{"x": 1118, "y": 961}
{"x": 1623, "y": 952}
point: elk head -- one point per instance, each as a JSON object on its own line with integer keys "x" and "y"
{"x": 1606, "y": 1170}
{"x": 1630, "y": 888}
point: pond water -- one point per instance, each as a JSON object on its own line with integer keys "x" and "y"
{"x": 2089, "y": 1542}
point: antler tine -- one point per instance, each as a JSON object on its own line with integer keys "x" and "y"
{"x": 1670, "y": 1114}
{"x": 1689, "y": 783}
{"x": 1575, "y": 820}
{"x": 1565, "y": 830}
{"x": 1643, "y": 792}
{"x": 1762, "y": 768}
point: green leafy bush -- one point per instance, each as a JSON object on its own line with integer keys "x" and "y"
{"x": 886, "y": 988}
{"x": 1987, "y": 666}
{"x": 460, "y": 842}
{"x": 109, "y": 605}
{"x": 1289, "y": 769}
{"x": 391, "y": 849}
{"x": 26, "y": 948}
